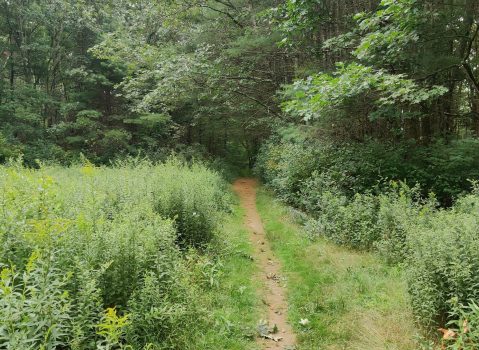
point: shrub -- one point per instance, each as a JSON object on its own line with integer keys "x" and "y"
{"x": 350, "y": 223}
{"x": 286, "y": 167}
{"x": 89, "y": 255}
{"x": 439, "y": 247}
{"x": 158, "y": 314}
{"x": 343, "y": 189}
{"x": 34, "y": 306}
{"x": 443, "y": 264}
{"x": 286, "y": 164}
{"x": 194, "y": 198}
{"x": 400, "y": 209}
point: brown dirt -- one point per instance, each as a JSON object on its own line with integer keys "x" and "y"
{"x": 269, "y": 276}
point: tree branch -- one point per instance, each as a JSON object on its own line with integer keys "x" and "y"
{"x": 226, "y": 3}
{"x": 227, "y": 14}
{"x": 465, "y": 64}
{"x": 268, "y": 108}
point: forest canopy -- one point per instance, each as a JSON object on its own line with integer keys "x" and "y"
{"x": 108, "y": 79}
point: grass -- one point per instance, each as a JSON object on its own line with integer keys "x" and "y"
{"x": 234, "y": 304}
{"x": 352, "y": 300}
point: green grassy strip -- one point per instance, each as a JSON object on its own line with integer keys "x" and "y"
{"x": 351, "y": 300}
{"x": 234, "y": 303}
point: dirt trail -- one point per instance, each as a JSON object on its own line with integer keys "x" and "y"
{"x": 273, "y": 292}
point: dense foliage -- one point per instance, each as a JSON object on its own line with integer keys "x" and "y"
{"x": 383, "y": 137}
{"x": 438, "y": 247}
{"x": 109, "y": 78}
{"x": 90, "y": 256}
{"x": 445, "y": 169}
{"x": 364, "y": 114}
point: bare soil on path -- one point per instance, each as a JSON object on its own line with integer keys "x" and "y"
{"x": 272, "y": 290}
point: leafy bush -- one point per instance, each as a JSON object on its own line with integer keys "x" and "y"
{"x": 444, "y": 169}
{"x": 194, "y": 198}
{"x": 401, "y": 209}
{"x": 158, "y": 313}
{"x": 34, "y": 306}
{"x": 443, "y": 264}
{"x": 439, "y": 247}
{"x": 344, "y": 190}
{"x": 285, "y": 166}
{"x": 351, "y": 223}
{"x": 89, "y": 255}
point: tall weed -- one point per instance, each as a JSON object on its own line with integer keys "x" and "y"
{"x": 93, "y": 257}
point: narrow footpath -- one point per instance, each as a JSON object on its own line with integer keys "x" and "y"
{"x": 276, "y": 333}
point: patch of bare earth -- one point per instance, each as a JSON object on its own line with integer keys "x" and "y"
{"x": 276, "y": 333}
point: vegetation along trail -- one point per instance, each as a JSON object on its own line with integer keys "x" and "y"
{"x": 275, "y": 332}
{"x": 351, "y": 127}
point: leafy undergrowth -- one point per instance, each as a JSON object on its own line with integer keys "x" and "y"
{"x": 338, "y": 298}
{"x": 131, "y": 256}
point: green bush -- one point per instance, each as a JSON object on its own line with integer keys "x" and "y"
{"x": 351, "y": 223}
{"x": 440, "y": 248}
{"x": 443, "y": 264}
{"x": 444, "y": 169}
{"x": 401, "y": 209}
{"x": 90, "y": 256}
{"x": 158, "y": 314}
{"x": 345, "y": 192}
{"x": 34, "y": 306}
{"x": 194, "y": 198}
{"x": 285, "y": 167}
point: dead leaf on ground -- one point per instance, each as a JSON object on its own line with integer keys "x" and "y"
{"x": 273, "y": 276}
{"x": 465, "y": 327}
{"x": 275, "y": 339}
{"x": 265, "y": 331}
{"x": 447, "y": 334}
